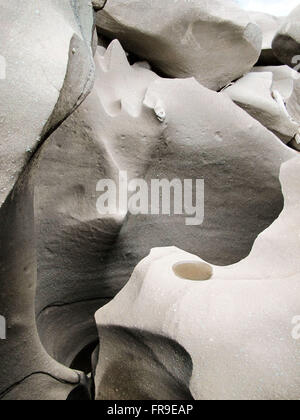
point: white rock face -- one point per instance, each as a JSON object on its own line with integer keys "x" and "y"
{"x": 213, "y": 41}
{"x": 39, "y": 87}
{"x": 262, "y": 95}
{"x": 286, "y": 44}
{"x": 236, "y": 323}
{"x": 269, "y": 26}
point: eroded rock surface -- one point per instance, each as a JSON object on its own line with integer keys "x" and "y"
{"x": 269, "y": 26}
{"x": 63, "y": 255}
{"x": 244, "y": 312}
{"x": 286, "y": 44}
{"x": 213, "y": 41}
{"x": 136, "y": 122}
{"x": 40, "y": 86}
{"x": 263, "y": 94}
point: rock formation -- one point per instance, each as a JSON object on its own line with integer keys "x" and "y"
{"x": 286, "y": 44}
{"x": 264, "y": 95}
{"x": 85, "y": 258}
{"x": 40, "y": 87}
{"x": 48, "y": 74}
{"x": 115, "y": 142}
{"x": 243, "y": 312}
{"x": 214, "y": 41}
{"x": 284, "y": 79}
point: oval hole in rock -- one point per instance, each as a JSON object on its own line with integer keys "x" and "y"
{"x": 193, "y": 270}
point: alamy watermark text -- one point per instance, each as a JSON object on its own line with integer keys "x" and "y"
{"x": 157, "y": 197}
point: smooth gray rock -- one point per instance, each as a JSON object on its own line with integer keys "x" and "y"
{"x": 60, "y": 257}
{"x": 293, "y": 107}
{"x": 239, "y": 325}
{"x": 284, "y": 79}
{"x": 48, "y": 74}
{"x": 40, "y": 87}
{"x": 27, "y": 371}
{"x": 213, "y": 41}
{"x": 98, "y": 4}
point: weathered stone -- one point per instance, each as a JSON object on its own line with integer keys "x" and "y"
{"x": 260, "y": 95}
{"x": 284, "y": 79}
{"x": 213, "y": 41}
{"x": 236, "y": 324}
{"x": 40, "y": 87}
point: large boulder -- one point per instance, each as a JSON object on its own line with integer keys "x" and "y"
{"x": 152, "y": 128}
{"x": 231, "y": 332}
{"x": 213, "y": 41}
{"x": 286, "y": 44}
